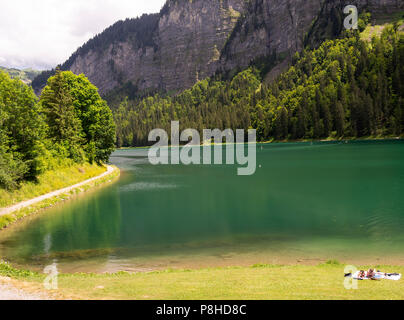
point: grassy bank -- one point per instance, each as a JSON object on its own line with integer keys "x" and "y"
{"x": 52, "y": 181}
{"x": 264, "y": 282}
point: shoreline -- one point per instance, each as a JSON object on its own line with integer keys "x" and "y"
{"x": 97, "y": 267}
{"x": 11, "y": 285}
{"x": 29, "y": 207}
{"x": 257, "y": 282}
{"x": 346, "y": 139}
{"x": 97, "y": 261}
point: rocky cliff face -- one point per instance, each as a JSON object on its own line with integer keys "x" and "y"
{"x": 276, "y": 26}
{"x": 285, "y": 26}
{"x": 192, "y": 39}
{"x": 188, "y": 40}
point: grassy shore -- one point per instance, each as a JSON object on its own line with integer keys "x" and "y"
{"x": 262, "y": 282}
{"x": 49, "y": 182}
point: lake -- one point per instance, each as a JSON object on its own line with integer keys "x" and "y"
{"x": 307, "y": 203}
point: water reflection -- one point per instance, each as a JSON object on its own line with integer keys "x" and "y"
{"x": 320, "y": 201}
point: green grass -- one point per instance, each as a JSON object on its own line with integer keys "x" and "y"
{"x": 262, "y": 282}
{"x": 56, "y": 180}
{"x": 380, "y": 22}
{"x": 50, "y": 181}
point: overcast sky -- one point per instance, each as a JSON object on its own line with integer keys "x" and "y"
{"x": 43, "y": 33}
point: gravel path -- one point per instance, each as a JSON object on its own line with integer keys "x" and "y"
{"x": 28, "y": 203}
{"x": 8, "y": 292}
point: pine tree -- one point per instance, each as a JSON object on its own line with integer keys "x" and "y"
{"x": 64, "y": 127}
{"x": 340, "y": 119}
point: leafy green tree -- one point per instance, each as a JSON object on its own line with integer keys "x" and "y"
{"x": 21, "y": 129}
{"x": 76, "y": 103}
{"x": 63, "y": 125}
{"x": 11, "y": 170}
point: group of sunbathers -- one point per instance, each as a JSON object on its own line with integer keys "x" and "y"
{"x": 371, "y": 274}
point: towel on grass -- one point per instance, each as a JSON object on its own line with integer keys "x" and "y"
{"x": 378, "y": 276}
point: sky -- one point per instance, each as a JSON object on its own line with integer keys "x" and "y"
{"x": 41, "y": 34}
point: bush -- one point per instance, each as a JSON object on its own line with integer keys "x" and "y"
{"x": 12, "y": 171}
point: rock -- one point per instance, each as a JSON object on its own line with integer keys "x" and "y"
{"x": 191, "y": 40}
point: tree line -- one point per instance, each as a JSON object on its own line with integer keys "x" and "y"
{"x": 345, "y": 88}
{"x": 68, "y": 124}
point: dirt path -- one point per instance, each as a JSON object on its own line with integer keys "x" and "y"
{"x": 27, "y": 203}
{"x": 9, "y": 292}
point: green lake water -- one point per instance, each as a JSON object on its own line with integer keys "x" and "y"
{"x": 306, "y": 203}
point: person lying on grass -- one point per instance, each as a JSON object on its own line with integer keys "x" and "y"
{"x": 371, "y": 274}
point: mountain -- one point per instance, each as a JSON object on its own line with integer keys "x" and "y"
{"x": 192, "y": 40}
{"x": 26, "y": 75}
{"x": 350, "y": 87}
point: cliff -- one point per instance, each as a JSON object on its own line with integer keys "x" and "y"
{"x": 190, "y": 40}
{"x": 283, "y": 27}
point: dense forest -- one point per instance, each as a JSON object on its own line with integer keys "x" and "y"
{"x": 69, "y": 124}
{"x": 347, "y": 87}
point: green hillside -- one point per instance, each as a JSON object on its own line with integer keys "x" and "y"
{"x": 347, "y": 88}
{"x": 26, "y": 75}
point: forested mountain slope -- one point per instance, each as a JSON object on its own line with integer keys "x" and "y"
{"x": 192, "y": 40}
{"x": 347, "y": 87}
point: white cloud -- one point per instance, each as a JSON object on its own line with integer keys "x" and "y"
{"x": 43, "y": 33}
